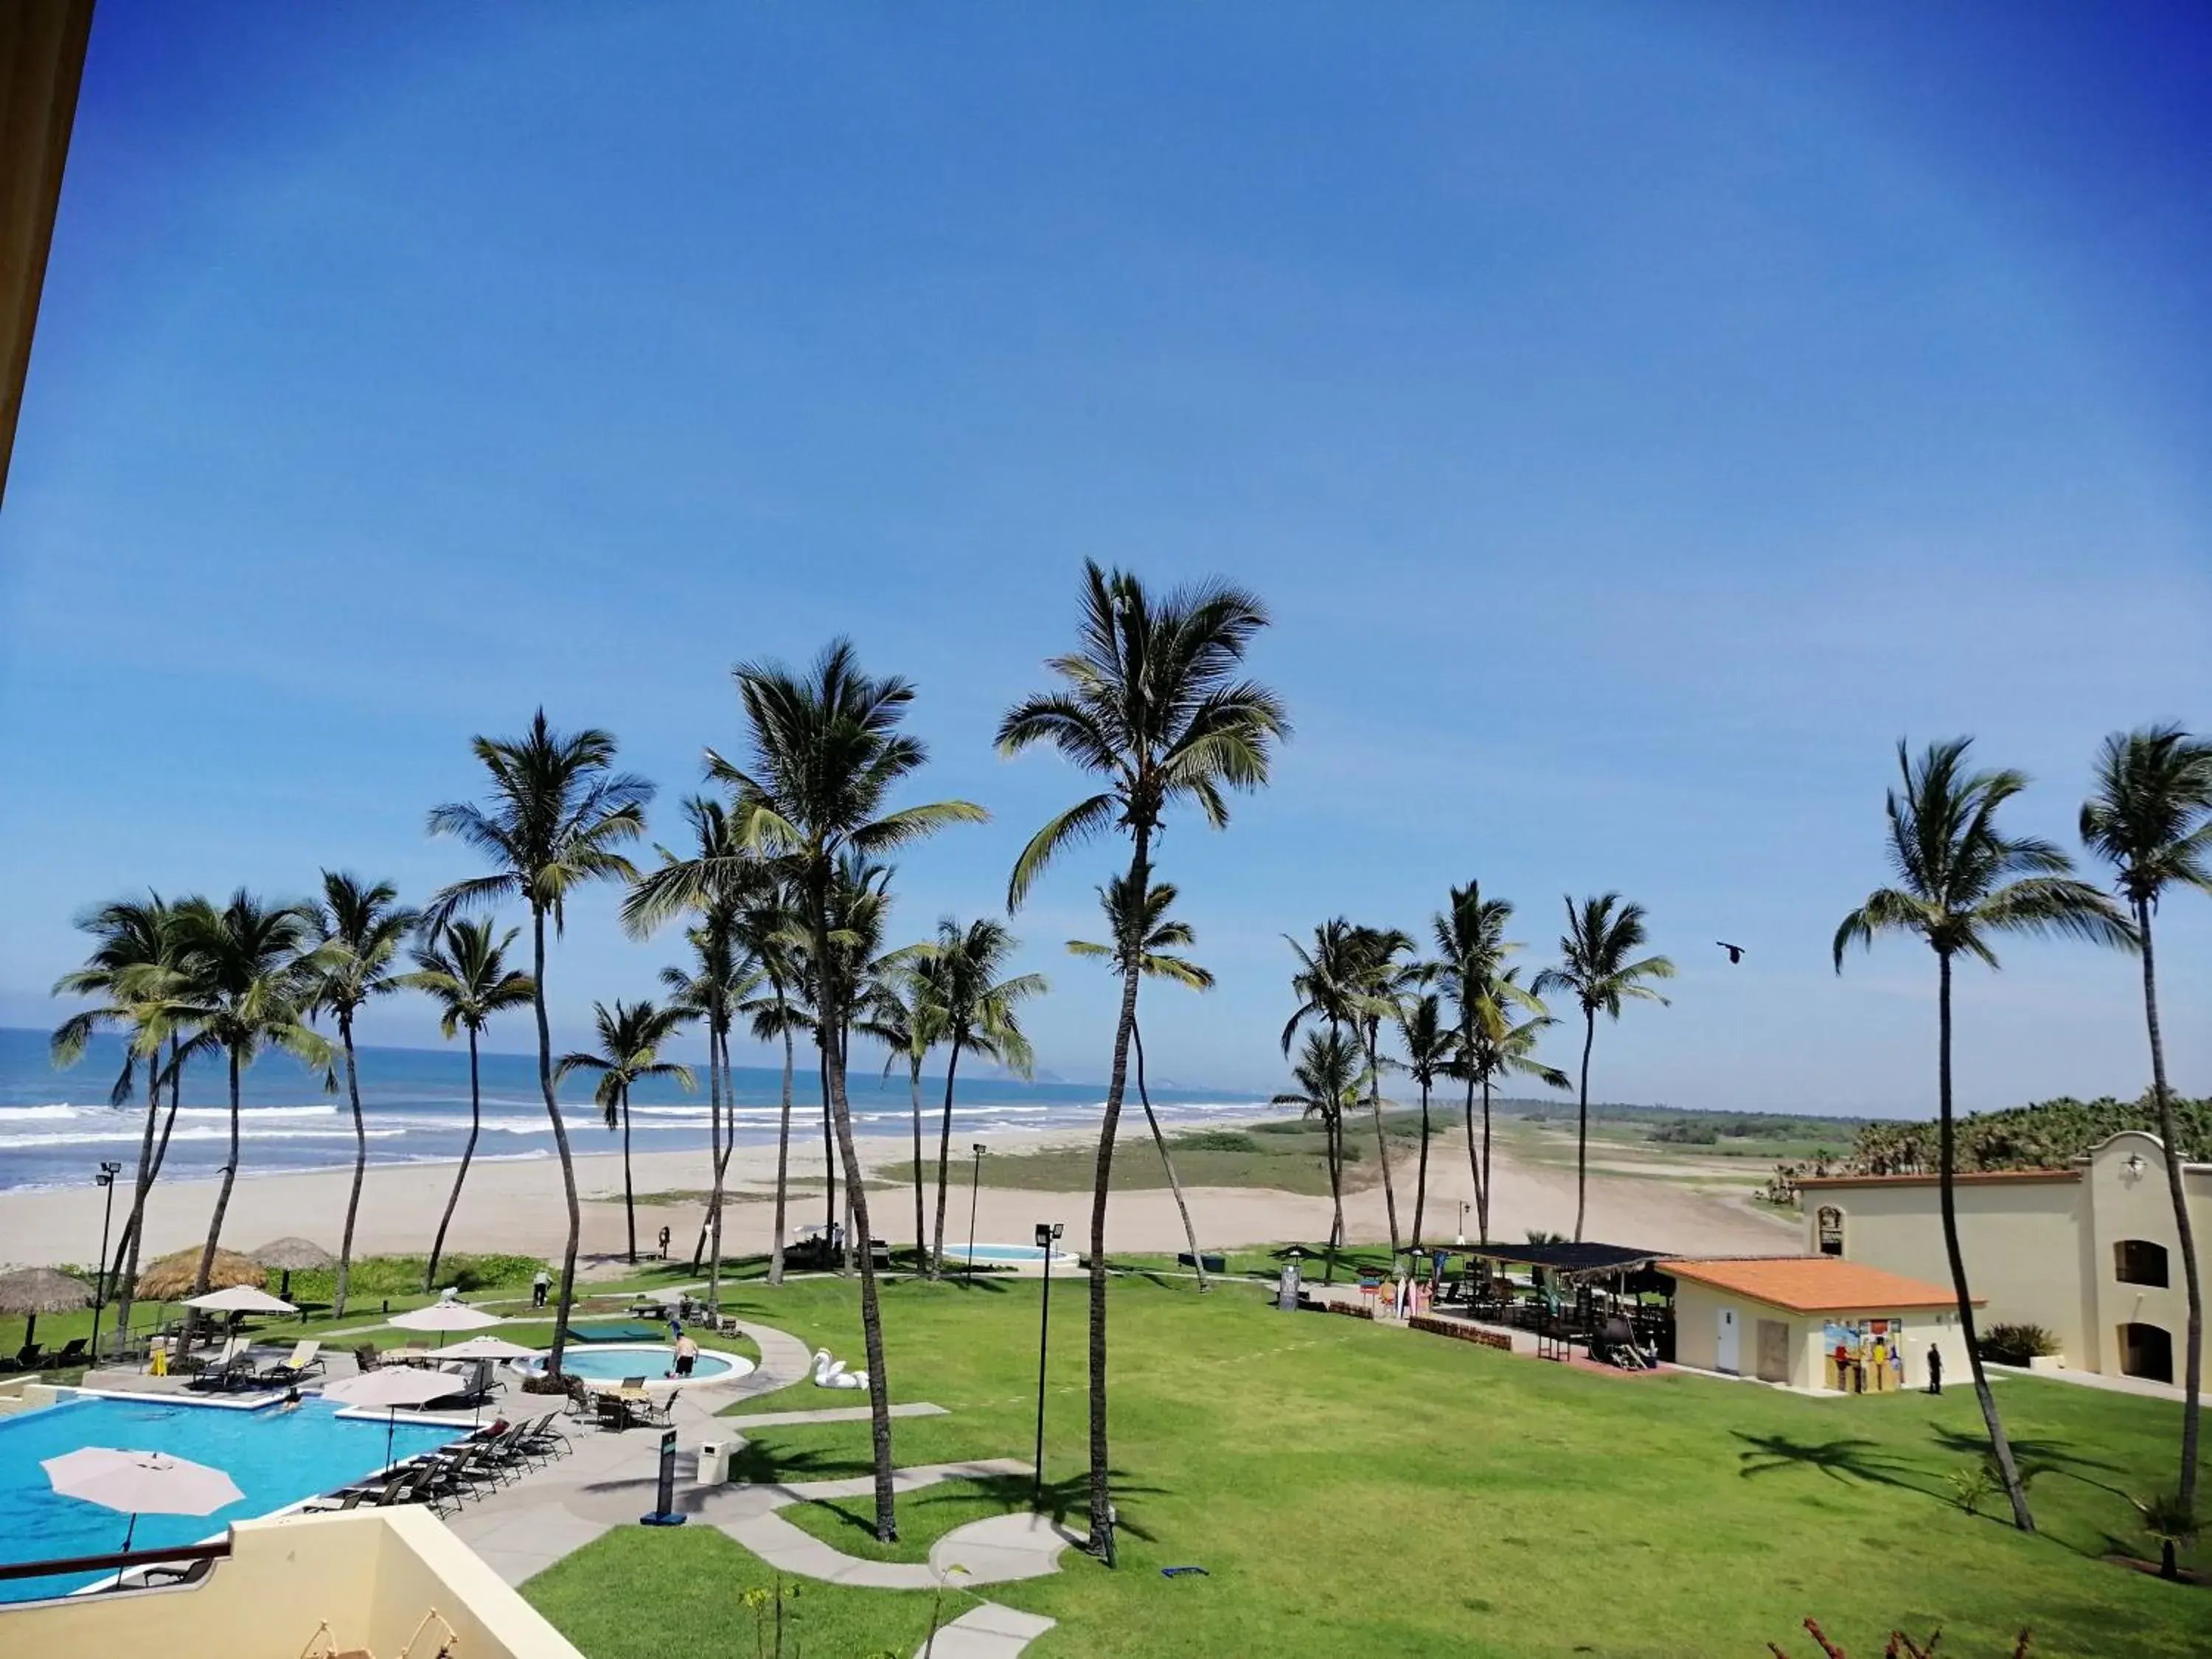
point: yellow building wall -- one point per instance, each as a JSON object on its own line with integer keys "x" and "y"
{"x": 370, "y": 1577}
{"x": 1697, "y": 1310}
{"x": 2041, "y": 1252}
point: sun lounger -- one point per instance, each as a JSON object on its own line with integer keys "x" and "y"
{"x": 71, "y": 1355}
{"x": 542, "y": 1439}
{"x": 304, "y": 1361}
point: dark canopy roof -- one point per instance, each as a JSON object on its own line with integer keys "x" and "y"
{"x": 1575, "y": 1260}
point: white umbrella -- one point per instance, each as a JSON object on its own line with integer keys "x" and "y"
{"x": 393, "y": 1386}
{"x": 140, "y": 1482}
{"x": 240, "y": 1298}
{"x": 446, "y": 1316}
{"x": 483, "y": 1348}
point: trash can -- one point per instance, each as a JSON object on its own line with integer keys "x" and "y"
{"x": 714, "y": 1463}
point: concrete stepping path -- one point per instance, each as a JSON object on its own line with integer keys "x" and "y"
{"x": 748, "y": 1514}
{"x": 988, "y": 1632}
{"x": 1001, "y": 1549}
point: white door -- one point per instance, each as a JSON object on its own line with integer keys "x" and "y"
{"x": 1726, "y": 1357}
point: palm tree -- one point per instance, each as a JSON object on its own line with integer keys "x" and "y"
{"x": 464, "y": 968}
{"x": 1327, "y": 1076}
{"x": 630, "y": 1036}
{"x": 1960, "y": 880}
{"x": 763, "y": 927}
{"x": 248, "y": 972}
{"x": 1501, "y": 1047}
{"x": 1328, "y": 983}
{"x": 979, "y": 1012}
{"x": 1145, "y": 930}
{"x": 1470, "y": 967}
{"x": 132, "y": 967}
{"x": 826, "y": 753}
{"x": 2151, "y": 820}
{"x": 712, "y": 994}
{"x": 360, "y": 929}
{"x": 1381, "y": 981}
{"x": 1150, "y": 703}
{"x": 1600, "y": 966}
{"x": 904, "y": 1015}
{"x": 1429, "y": 1046}
{"x": 558, "y": 811}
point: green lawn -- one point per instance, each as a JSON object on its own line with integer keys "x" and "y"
{"x": 1353, "y": 1490}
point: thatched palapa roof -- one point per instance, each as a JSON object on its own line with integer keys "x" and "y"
{"x": 42, "y": 1290}
{"x": 293, "y": 1255}
{"x": 177, "y": 1275}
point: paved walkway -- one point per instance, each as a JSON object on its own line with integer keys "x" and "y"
{"x": 987, "y": 1632}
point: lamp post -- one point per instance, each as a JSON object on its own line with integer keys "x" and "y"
{"x": 1461, "y": 1239}
{"x": 1046, "y": 1232}
{"x": 105, "y": 1180}
{"x": 974, "y": 1181}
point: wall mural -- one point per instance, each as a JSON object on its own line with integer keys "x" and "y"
{"x": 1864, "y": 1356}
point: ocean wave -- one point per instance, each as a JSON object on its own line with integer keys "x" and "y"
{"x": 185, "y": 1133}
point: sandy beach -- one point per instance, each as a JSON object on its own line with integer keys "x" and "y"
{"x": 517, "y": 1206}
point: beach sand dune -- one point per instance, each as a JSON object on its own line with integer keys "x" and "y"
{"x": 517, "y": 1206}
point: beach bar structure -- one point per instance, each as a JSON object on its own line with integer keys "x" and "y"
{"x": 1575, "y": 1292}
{"x": 1812, "y": 1323}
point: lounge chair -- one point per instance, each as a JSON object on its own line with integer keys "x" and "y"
{"x": 303, "y": 1362}
{"x": 222, "y": 1370}
{"x": 541, "y": 1438}
{"x": 346, "y": 1498}
{"x": 26, "y": 1357}
{"x": 71, "y": 1355}
{"x": 185, "y": 1572}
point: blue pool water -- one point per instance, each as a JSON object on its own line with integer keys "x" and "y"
{"x": 612, "y": 1364}
{"x": 275, "y": 1458}
{"x": 1003, "y": 1253}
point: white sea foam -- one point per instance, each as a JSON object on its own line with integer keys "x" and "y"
{"x": 185, "y": 1133}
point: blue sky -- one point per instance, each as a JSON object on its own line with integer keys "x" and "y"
{"x": 1636, "y": 420}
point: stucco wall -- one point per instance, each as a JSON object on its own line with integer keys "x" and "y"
{"x": 370, "y": 1577}
{"x": 1697, "y": 1335}
{"x": 2136, "y": 1203}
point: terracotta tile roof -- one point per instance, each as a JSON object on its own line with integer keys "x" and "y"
{"x": 1811, "y": 1284}
{"x": 1963, "y": 1178}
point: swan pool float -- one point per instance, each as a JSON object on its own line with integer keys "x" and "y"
{"x": 831, "y": 1373}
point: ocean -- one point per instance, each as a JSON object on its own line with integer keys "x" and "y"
{"x": 56, "y": 1127}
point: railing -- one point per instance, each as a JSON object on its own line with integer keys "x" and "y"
{"x": 115, "y": 1563}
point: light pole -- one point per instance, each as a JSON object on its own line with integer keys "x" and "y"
{"x": 106, "y": 1179}
{"x": 974, "y": 1180}
{"x": 1046, "y": 1232}
{"x": 1461, "y": 1239}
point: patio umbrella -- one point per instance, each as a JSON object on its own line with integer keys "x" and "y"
{"x": 393, "y": 1386}
{"x": 484, "y": 1347}
{"x": 33, "y": 1291}
{"x": 139, "y": 1483}
{"x": 288, "y": 1255}
{"x": 240, "y": 1298}
{"x": 179, "y": 1274}
{"x": 446, "y": 1316}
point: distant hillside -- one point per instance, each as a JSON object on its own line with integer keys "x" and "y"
{"x": 2046, "y": 1134}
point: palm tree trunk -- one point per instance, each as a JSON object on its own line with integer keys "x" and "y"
{"x": 913, "y": 1104}
{"x": 714, "y": 1146}
{"x": 827, "y": 1002}
{"x": 468, "y": 1152}
{"x": 822, "y": 1039}
{"x": 1102, "y": 1500}
{"x": 1421, "y": 1176}
{"x": 1474, "y": 1163}
{"x": 360, "y": 1169}
{"x": 222, "y": 1204}
{"x": 1333, "y": 1130}
{"x": 2193, "y": 1372}
{"x": 1482, "y": 1187}
{"x": 1381, "y": 1145}
{"x": 630, "y": 1199}
{"x": 1143, "y": 1095}
{"x": 2000, "y": 1447}
{"x": 717, "y": 1055}
{"x": 560, "y": 1144}
{"x": 123, "y": 1284}
{"x": 943, "y": 1160}
{"x": 1582, "y": 1127}
{"x": 783, "y": 1152}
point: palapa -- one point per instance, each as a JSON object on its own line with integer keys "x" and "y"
{"x": 177, "y": 1275}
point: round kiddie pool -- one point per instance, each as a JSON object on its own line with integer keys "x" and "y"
{"x": 613, "y": 1362}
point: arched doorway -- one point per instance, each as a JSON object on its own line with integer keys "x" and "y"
{"x": 2147, "y": 1350}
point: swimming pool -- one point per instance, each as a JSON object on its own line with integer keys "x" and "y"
{"x": 276, "y": 1458}
{"x": 610, "y": 1362}
{"x": 1002, "y": 1253}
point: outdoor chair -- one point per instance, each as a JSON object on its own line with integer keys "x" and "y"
{"x": 613, "y": 1412}
{"x": 303, "y": 1362}
{"x": 26, "y": 1357}
{"x": 71, "y": 1355}
{"x": 336, "y": 1503}
{"x": 580, "y": 1403}
{"x": 187, "y": 1572}
{"x": 365, "y": 1357}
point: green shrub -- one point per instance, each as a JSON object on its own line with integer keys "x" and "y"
{"x": 1218, "y": 1140}
{"x": 2015, "y": 1345}
{"x": 402, "y": 1275}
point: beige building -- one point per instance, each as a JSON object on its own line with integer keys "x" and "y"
{"x": 1812, "y": 1323}
{"x": 2089, "y": 1253}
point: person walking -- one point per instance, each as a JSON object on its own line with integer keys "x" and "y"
{"x": 1934, "y": 1369}
{"x": 539, "y": 1286}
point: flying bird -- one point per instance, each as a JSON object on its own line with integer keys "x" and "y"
{"x": 1735, "y": 951}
